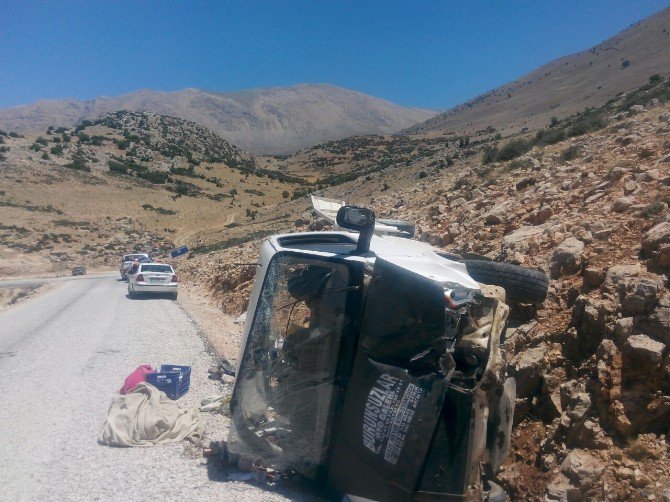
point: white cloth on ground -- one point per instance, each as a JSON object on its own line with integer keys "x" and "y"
{"x": 145, "y": 417}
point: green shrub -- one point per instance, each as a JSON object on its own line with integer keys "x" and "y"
{"x": 490, "y": 154}
{"x": 156, "y": 177}
{"x": 45, "y": 156}
{"x": 655, "y": 79}
{"x": 571, "y": 153}
{"x": 41, "y": 141}
{"x": 78, "y": 163}
{"x": 57, "y": 150}
{"x": 586, "y": 125}
{"x": 117, "y": 167}
{"x": 298, "y": 193}
{"x": 513, "y": 149}
{"x": 549, "y": 137}
{"x": 159, "y": 210}
{"x": 653, "y": 209}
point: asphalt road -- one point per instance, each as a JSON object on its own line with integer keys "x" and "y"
{"x": 63, "y": 355}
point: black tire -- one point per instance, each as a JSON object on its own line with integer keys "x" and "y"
{"x": 173, "y": 296}
{"x": 521, "y": 284}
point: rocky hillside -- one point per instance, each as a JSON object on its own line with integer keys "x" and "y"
{"x": 567, "y": 85}
{"x": 588, "y": 202}
{"x": 127, "y": 181}
{"x": 277, "y": 120}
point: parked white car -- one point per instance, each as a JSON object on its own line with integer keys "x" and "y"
{"x": 127, "y": 262}
{"x": 153, "y": 278}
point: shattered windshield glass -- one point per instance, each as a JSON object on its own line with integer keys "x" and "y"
{"x": 283, "y": 404}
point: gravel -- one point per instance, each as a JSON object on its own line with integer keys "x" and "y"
{"x": 62, "y": 357}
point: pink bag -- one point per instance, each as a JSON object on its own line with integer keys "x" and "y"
{"x": 137, "y": 376}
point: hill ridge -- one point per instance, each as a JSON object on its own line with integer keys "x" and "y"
{"x": 620, "y": 63}
{"x": 275, "y": 120}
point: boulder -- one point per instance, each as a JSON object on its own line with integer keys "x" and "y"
{"x": 590, "y": 317}
{"x": 567, "y": 258}
{"x": 658, "y": 323}
{"x": 318, "y": 225}
{"x": 496, "y": 215}
{"x": 639, "y": 296}
{"x": 656, "y": 245}
{"x": 619, "y": 274}
{"x": 617, "y": 173}
{"x": 582, "y": 468}
{"x": 579, "y": 404}
{"x": 588, "y": 434}
{"x": 622, "y": 204}
{"x": 522, "y": 240}
{"x": 528, "y": 366}
{"x": 623, "y": 328}
{"x": 457, "y": 203}
{"x": 635, "y": 109}
{"x": 643, "y": 349}
{"x": 539, "y": 216}
{"x": 594, "y": 277}
{"x": 603, "y": 234}
{"x": 561, "y": 490}
{"x": 525, "y": 183}
{"x": 629, "y": 187}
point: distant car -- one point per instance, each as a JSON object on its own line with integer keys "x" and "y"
{"x": 127, "y": 262}
{"x": 79, "y": 271}
{"x": 153, "y": 278}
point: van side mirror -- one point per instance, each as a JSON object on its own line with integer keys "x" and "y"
{"x": 360, "y": 219}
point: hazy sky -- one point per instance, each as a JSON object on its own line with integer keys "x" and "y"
{"x": 417, "y": 53}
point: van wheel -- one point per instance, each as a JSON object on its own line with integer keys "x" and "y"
{"x": 173, "y": 296}
{"x": 521, "y": 284}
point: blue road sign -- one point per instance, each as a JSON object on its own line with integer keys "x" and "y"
{"x": 179, "y": 251}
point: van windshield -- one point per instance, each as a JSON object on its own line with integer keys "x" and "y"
{"x": 285, "y": 393}
{"x": 133, "y": 257}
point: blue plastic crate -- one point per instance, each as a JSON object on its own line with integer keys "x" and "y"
{"x": 172, "y": 379}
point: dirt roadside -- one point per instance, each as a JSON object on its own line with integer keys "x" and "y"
{"x": 221, "y": 331}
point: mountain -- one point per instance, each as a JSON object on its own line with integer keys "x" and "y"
{"x": 276, "y": 120}
{"x": 566, "y": 85}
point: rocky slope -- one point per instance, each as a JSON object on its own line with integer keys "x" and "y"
{"x": 277, "y": 120}
{"x": 591, "y": 208}
{"x": 566, "y": 85}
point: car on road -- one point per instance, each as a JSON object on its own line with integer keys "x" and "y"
{"x": 127, "y": 262}
{"x": 153, "y": 278}
{"x": 79, "y": 271}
